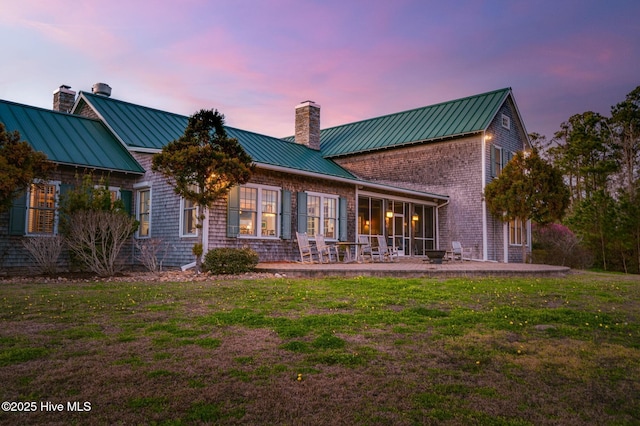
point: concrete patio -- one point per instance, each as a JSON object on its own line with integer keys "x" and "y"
{"x": 413, "y": 268}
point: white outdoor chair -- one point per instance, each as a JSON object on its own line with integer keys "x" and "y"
{"x": 365, "y": 248}
{"x": 304, "y": 246}
{"x": 459, "y": 252}
{"x": 325, "y": 249}
{"x": 386, "y": 252}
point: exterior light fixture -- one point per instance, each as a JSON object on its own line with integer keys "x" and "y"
{"x": 415, "y": 217}
{"x": 389, "y": 214}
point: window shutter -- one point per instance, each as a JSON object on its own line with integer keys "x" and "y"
{"x": 285, "y": 216}
{"x": 233, "y": 213}
{"x": 342, "y": 219}
{"x": 127, "y": 199}
{"x": 506, "y": 156}
{"x": 18, "y": 215}
{"x": 302, "y": 212}
{"x": 493, "y": 161}
{"x": 62, "y": 218}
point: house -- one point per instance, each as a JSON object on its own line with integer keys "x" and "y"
{"x": 415, "y": 176}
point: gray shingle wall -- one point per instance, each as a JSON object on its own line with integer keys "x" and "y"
{"x": 278, "y": 249}
{"x": 14, "y": 258}
{"x": 165, "y": 215}
{"x": 511, "y": 140}
{"x": 453, "y": 168}
{"x": 449, "y": 168}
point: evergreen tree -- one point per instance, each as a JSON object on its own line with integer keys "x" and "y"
{"x": 528, "y": 188}
{"x": 203, "y": 164}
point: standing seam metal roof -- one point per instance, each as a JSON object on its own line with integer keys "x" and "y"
{"x": 143, "y": 127}
{"x": 68, "y": 139}
{"x": 453, "y": 118}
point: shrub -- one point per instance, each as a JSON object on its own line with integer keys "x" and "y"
{"x": 151, "y": 253}
{"x": 555, "y": 244}
{"x": 45, "y": 252}
{"x": 95, "y": 226}
{"x": 230, "y": 260}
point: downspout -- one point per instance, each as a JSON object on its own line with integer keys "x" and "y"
{"x": 483, "y": 157}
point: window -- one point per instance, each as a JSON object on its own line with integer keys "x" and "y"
{"x": 259, "y": 206}
{"x": 269, "y": 213}
{"x": 506, "y": 122}
{"x": 516, "y": 231}
{"x": 41, "y": 211}
{"x": 322, "y": 215}
{"x": 496, "y": 160}
{"x": 189, "y": 218}
{"x": 144, "y": 212}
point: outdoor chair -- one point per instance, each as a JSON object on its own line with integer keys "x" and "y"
{"x": 386, "y": 252}
{"x": 365, "y": 248}
{"x": 458, "y": 252}
{"x": 304, "y": 246}
{"x": 325, "y": 249}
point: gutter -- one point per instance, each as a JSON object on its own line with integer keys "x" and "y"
{"x": 353, "y": 181}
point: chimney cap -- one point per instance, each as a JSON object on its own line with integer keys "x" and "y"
{"x": 64, "y": 89}
{"x": 307, "y": 103}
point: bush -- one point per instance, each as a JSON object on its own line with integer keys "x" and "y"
{"x": 45, "y": 251}
{"x": 555, "y": 244}
{"x": 230, "y": 260}
{"x": 151, "y": 253}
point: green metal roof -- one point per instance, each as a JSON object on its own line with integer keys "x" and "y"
{"x": 454, "y": 118}
{"x": 68, "y": 139}
{"x": 143, "y": 127}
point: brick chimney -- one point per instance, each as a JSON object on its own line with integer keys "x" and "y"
{"x": 308, "y": 124}
{"x": 63, "y": 99}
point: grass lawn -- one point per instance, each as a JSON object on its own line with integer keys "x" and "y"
{"x": 334, "y": 351}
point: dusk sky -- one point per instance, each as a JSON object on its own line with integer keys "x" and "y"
{"x": 256, "y": 60}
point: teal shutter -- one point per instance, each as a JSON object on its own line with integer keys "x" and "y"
{"x": 285, "y": 215}
{"x": 302, "y": 212}
{"x": 18, "y": 215}
{"x": 342, "y": 219}
{"x": 127, "y": 199}
{"x": 506, "y": 156}
{"x": 63, "y": 218}
{"x": 493, "y": 161}
{"x": 233, "y": 213}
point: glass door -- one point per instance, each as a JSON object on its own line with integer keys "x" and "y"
{"x": 399, "y": 233}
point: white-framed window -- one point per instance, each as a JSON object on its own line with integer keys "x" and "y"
{"x": 516, "y": 232}
{"x": 41, "y": 208}
{"x": 322, "y": 215}
{"x": 259, "y": 211}
{"x": 506, "y": 122}
{"x": 188, "y": 218}
{"x": 143, "y": 212}
{"x": 496, "y": 160}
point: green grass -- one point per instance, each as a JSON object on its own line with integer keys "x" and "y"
{"x": 363, "y": 350}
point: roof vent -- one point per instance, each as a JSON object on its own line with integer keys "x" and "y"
{"x": 101, "y": 89}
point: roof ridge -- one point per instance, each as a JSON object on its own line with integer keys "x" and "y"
{"x": 48, "y": 110}
{"x": 109, "y": 98}
{"x": 508, "y": 89}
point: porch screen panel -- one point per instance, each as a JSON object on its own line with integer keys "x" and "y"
{"x": 364, "y": 217}
{"x": 377, "y": 217}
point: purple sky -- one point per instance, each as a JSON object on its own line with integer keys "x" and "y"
{"x": 255, "y": 60}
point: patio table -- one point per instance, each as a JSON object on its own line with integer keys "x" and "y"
{"x": 359, "y": 258}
